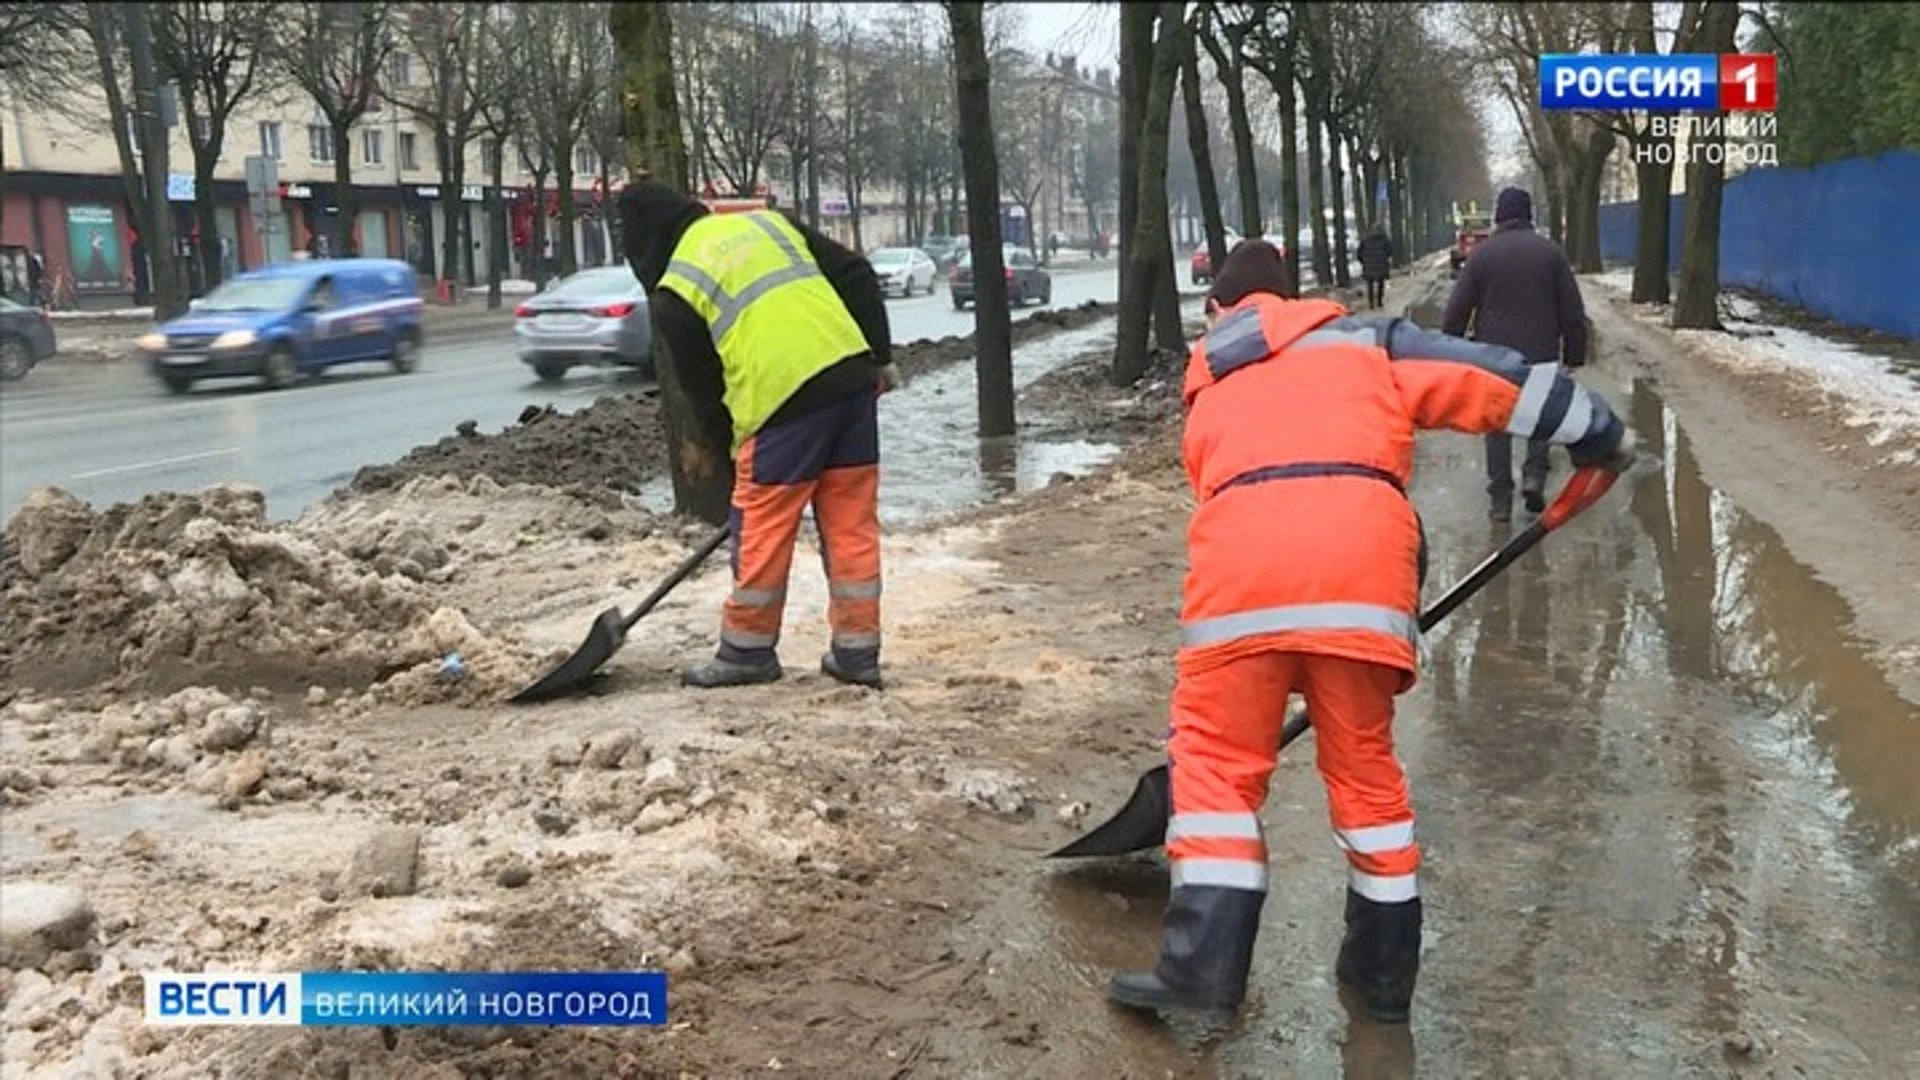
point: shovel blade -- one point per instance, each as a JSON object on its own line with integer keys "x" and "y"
{"x": 1139, "y": 826}
{"x": 603, "y": 640}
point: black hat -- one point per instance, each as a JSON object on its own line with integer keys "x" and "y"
{"x": 1253, "y": 266}
{"x": 1514, "y": 204}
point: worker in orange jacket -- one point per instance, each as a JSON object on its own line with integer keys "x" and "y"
{"x": 1304, "y": 556}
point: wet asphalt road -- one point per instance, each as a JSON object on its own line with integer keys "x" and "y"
{"x": 108, "y": 432}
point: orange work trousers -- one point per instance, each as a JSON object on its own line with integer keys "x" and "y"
{"x": 828, "y": 458}
{"x": 1226, "y": 736}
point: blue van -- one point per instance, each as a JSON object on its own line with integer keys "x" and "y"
{"x": 280, "y": 321}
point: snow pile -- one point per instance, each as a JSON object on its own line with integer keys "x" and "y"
{"x": 1869, "y": 395}
{"x": 190, "y": 588}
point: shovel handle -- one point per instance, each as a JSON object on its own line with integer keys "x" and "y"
{"x": 687, "y": 566}
{"x": 1584, "y": 488}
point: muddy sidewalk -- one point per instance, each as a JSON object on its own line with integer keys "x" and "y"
{"x": 1664, "y": 797}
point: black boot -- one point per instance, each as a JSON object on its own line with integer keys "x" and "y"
{"x": 1205, "y": 954}
{"x": 1380, "y": 957}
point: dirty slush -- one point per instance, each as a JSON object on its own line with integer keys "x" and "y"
{"x": 236, "y": 743}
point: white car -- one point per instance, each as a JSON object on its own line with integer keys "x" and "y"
{"x": 904, "y": 270}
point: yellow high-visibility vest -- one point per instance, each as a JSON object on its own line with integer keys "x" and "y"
{"x": 776, "y": 320}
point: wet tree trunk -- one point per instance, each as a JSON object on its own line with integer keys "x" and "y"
{"x": 1136, "y": 63}
{"x": 1289, "y": 166}
{"x": 1698, "y": 302}
{"x": 1651, "y": 258}
{"x": 980, "y": 161}
{"x": 1317, "y": 194}
{"x": 564, "y": 247}
{"x": 1197, "y": 144}
{"x": 497, "y": 227}
{"x": 344, "y": 244}
{"x": 1232, "y": 74}
{"x": 1149, "y": 251}
{"x": 168, "y": 287}
{"x": 699, "y": 460}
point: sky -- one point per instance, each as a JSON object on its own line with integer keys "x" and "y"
{"x": 1089, "y": 31}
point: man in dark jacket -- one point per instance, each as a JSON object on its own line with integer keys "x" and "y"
{"x": 1517, "y": 289}
{"x": 779, "y": 335}
{"x": 1376, "y": 260}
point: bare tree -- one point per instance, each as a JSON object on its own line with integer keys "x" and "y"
{"x": 500, "y": 120}
{"x": 1223, "y": 31}
{"x": 747, "y": 99}
{"x": 697, "y": 457}
{"x": 1197, "y": 143}
{"x": 1271, "y": 48}
{"x": 924, "y": 159}
{"x": 122, "y": 36}
{"x": 42, "y": 47}
{"x": 213, "y": 53}
{"x": 863, "y": 128}
{"x": 462, "y": 72}
{"x": 337, "y": 53}
{"x": 992, "y": 325}
{"x": 1697, "y": 303}
{"x": 1028, "y": 132}
{"x": 1149, "y": 255}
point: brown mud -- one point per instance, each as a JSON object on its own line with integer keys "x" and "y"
{"x": 1661, "y": 790}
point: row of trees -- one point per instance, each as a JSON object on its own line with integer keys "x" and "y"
{"x": 536, "y": 78}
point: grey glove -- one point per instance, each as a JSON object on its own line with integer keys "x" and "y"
{"x": 889, "y": 378}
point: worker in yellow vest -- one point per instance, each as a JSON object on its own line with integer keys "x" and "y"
{"x": 778, "y": 335}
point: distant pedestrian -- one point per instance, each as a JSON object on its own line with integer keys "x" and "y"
{"x": 1376, "y": 260}
{"x": 1517, "y": 289}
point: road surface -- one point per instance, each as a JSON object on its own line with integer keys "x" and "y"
{"x": 109, "y": 433}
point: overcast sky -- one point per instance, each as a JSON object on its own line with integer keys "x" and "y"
{"x": 1090, "y": 32}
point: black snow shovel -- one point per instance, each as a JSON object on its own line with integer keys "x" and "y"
{"x": 610, "y": 632}
{"x": 1142, "y": 823}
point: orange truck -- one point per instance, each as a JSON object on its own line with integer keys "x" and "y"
{"x": 1472, "y": 231}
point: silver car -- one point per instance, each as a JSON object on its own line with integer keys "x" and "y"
{"x": 595, "y": 318}
{"x": 904, "y": 270}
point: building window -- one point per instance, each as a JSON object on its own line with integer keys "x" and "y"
{"x": 320, "y": 143}
{"x": 585, "y": 161}
{"x": 407, "y": 148}
{"x": 371, "y": 146}
{"x": 489, "y": 155}
{"x": 270, "y": 140}
{"x": 402, "y": 74}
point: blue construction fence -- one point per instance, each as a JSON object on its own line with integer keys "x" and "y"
{"x": 1840, "y": 239}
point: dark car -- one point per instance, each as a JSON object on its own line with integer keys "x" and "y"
{"x": 945, "y": 250}
{"x": 1027, "y": 280}
{"x": 26, "y": 338}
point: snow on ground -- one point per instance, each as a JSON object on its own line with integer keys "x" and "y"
{"x": 1868, "y": 393}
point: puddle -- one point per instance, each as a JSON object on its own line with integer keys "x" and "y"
{"x": 931, "y": 461}
{"x": 1665, "y": 801}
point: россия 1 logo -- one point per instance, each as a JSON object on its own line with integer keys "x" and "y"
{"x": 1703, "y": 82}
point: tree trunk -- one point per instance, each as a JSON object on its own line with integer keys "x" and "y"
{"x": 169, "y": 292}
{"x": 565, "y": 247}
{"x": 1289, "y": 166}
{"x": 1136, "y": 64}
{"x": 1197, "y": 144}
{"x": 1337, "y": 202}
{"x": 206, "y": 217}
{"x": 1653, "y": 181}
{"x": 346, "y": 208}
{"x": 497, "y": 240}
{"x": 453, "y": 208}
{"x": 1149, "y": 244}
{"x": 1696, "y": 306}
{"x": 699, "y": 460}
{"x": 992, "y": 329}
{"x": 1231, "y": 72}
{"x": 1317, "y": 193}
{"x": 541, "y": 230}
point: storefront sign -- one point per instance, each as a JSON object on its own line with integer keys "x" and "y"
{"x": 472, "y": 193}
{"x": 427, "y": 192}
{"x": 295, "y": 191}
{"x": 179, "y": 187}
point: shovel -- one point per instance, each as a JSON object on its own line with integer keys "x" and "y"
{"x": 609, "y": 632}
{"x": 1142, "y": 823}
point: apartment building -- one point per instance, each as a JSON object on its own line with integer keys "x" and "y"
{"x": 66, "y": 199}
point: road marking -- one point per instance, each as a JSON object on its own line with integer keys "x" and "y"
{"x": 159, "y": 463}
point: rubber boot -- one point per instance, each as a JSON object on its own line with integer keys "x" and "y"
{"x": 1380, "y": 956}
{"x": 860, "y": 672}
{"x": 719, "y": 672}
{"x": 1206, "y": 952}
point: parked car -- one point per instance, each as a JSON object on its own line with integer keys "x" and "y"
{"x": 945, "y": 250}
{"x": 281, "y": 321}
{"x": 595, "y": 318}
{"x": 904, "y": 270}
{"x": 1026, "y": 279}
{"x": 26, "y": 338}
{"x": 1201, "y": 268}
{"x": 1472, "y": 233}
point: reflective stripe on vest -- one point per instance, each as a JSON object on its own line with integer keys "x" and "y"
{"x": 774, "y": 318}
{"x": 1236, "y": 341}
{"x": 1274, "y": 620}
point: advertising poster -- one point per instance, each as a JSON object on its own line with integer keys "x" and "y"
{"x": 94, "y": 245}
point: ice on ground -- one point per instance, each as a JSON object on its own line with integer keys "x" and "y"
{"x": 1871, "y": 397}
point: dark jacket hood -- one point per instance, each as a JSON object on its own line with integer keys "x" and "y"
{"x": 653, "y": 218}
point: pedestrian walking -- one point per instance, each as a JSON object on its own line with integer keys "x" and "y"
{"x": 1304, "y": 565}
{"x": 1517, "y": 289}
{"x": 1376, "y": 260}
{"x": 780, "y": 335}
